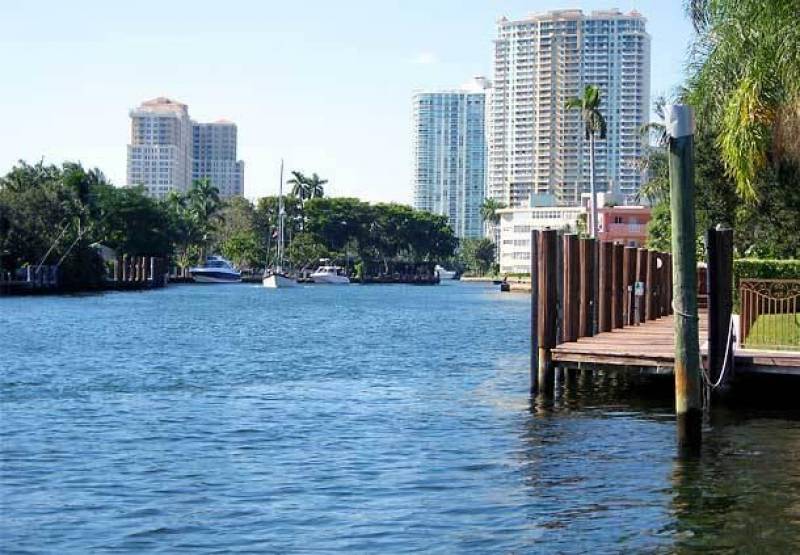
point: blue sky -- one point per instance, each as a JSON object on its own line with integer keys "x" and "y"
{"x": 326, "y": 85}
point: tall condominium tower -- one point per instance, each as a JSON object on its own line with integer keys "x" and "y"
{"x": 168, "y": 150}
{"x": 214, "y": 152}
{"x": 450, "y": 155}
{"x": 160, "y": 152}
{"x": 535, "y": 144}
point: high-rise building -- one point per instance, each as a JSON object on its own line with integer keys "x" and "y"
{"x": 535, "y": 144}
{"x": 214, "y": 157}
{"x": 160, "y": 152}
{"x": 168, "y": 150}
{"x": 450, "y": 155}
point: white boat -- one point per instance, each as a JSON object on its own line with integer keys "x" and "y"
{"x": 276, "y": 278}
{"x": 216, "y": 270}
{"x": 443, "y": 273}
{"x": 333, "y": 275}
{"x": 279, "y": 281}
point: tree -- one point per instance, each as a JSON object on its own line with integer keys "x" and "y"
{"x": 594, "y": 124}
{"x": 299, "y": 183}
{"x": 315, "y": 186}
{"x": 745, "y": 83}
{"x": 204, "y": 207}
{"x": 489, "y": 209}
{"x": 478, "y": 255}
{"x": 306, "y": 251}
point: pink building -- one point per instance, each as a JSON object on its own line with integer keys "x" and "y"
{"x": 623, "y": 224}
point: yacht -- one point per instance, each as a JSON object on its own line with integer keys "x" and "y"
{"x": 216, "y": 270}
{"x": 275, "y": 277}
{"x": 330, "y": 274}
{"x": 444, "y": 274}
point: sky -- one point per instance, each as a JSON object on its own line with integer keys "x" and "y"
{"x": 325, "y": 85}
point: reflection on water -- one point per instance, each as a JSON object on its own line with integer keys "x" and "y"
{"x": 358, "y": 419}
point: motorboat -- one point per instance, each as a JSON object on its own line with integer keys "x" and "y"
{"x": 276, "y": 278}
{"x": 216, "y": 270}
{"x": 443, "y": 273}
{"x": 333, "y": 275}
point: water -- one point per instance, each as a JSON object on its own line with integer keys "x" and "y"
{"x": 373, "y": 419}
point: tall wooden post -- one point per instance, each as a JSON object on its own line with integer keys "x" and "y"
{"x": 571, "y": 288}
{"x": 535, "y": 254}
{"x": 720, "y": 297}
{"x": 618, "y": 297}
{"x": 559, "y": 288}
{"x": 650, "y": 287}
{"x": 628, "y": 281}
{"x": 669, "y": 284}
{"x": 587, "y": 285}
{"x": 642, "y": 258}
{"x": 548, "y": 309}
{"x": 680, "y": 128}
{"x": 605, "y": 287}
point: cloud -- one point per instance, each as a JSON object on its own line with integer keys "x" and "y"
{"x": 425, "y": 59}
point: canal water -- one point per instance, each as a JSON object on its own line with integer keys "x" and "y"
{"x": 376, "y": 419}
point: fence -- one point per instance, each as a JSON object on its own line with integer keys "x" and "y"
{"x": 770, "y": 313}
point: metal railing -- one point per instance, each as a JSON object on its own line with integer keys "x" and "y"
{"x": 770, "y": 314}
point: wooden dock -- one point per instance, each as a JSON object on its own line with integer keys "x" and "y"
{"x": 652, "y": 346}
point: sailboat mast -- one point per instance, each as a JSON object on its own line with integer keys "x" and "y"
{"x": 280, "y": 220}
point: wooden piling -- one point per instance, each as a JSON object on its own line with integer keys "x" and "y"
{"x": 559, "y": 288}
{"x": 650, "y": 287}
{"x": 688, "y": 383}
{"x": 587, "y": 286}
{"x": 642, "y": 258}
{"x": 534, "y": 311}
{"x": 720, "y": 297}
{"x": 571, "y": 288}
{"x": 617, "y": 295}
{"x": 547, "y": 320}
{"x": 628, "y": 282}
{"x": 605, "y": 287}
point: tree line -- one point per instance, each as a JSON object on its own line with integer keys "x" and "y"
{"x": 59, "y": 214}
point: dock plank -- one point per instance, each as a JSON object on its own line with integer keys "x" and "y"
{"x": 652, "y": 344}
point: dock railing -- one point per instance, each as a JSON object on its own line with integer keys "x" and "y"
{"x": 770, "y": 314}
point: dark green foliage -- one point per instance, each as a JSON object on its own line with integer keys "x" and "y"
{"x": 69, "y": 208}
{"x": 477, "y": 255}
{"x": 765, "y": 269}
{"x": 381, "y": 231}
{"x": 305, "y": 251}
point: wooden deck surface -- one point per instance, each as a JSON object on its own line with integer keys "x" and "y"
{"x": 653, "y": 345}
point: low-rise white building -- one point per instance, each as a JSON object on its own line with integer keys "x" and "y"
{"x": 516, "y": 224}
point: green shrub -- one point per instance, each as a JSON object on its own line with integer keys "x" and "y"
{"x": 765, "y": 269}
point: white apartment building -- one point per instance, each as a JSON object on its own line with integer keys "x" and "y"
{"x": 535, "y": 144}
{"x": 450, "y": 155}
{"x": 214, "y": 157}
{"x": 160, "y": 151}
{"x": 516, "y": 225}
{"x": 168, "y": 150}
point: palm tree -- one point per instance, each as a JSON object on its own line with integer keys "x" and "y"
{"x": 594, "y": 124}
{"x": 299, "y": 183}
{"x": 489, "y": 210}
{"x": 745, "y": 83}
{"x": 204, "y": 207}
{"x": 315, "y": 186}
